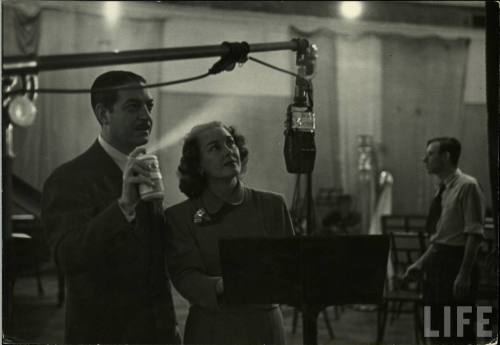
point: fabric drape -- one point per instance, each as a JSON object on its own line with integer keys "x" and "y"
{"x": 23, "y": 38}
{"x": 402, "y": 90}
{"x": 423, "y": 83}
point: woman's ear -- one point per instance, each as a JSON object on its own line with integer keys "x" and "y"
{"x": 102, "y": 114}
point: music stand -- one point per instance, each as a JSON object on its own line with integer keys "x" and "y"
{"x": 308, "y": 272}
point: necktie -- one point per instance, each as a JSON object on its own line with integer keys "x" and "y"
{"x": 149, "y": 216}
{"x": 435, "y": 211}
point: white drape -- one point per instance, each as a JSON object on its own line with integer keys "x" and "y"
{"x": 359, "y": 103}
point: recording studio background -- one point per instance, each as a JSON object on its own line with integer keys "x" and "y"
{"x": 386, "y": 82}
{"x": 399, "y": 83}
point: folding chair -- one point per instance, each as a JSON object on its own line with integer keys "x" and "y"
{"x": 407, "y": 244}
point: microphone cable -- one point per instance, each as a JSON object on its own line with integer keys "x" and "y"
{"x": 147, "y": 86}
{"x": 278, "y": 69}
{"x": 76, "y": 91}
{"x": 274, "y": 67}
{"x": 307, "y": 81}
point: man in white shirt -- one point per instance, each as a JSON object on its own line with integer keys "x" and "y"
{"x": 450, "y": 259}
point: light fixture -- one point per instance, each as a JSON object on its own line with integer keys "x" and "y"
{"x": 22, "y": 111}
{"x": 21, "y": 106}
{"x": 112, "y": 11}
{"x": 351, "y": 9}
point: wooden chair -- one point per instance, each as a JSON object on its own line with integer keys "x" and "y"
{"x": 28, "y": 249}
{"x": 488, "y": 265}
{"x": 24, "y": 252}
{"x": 408, "y": 240}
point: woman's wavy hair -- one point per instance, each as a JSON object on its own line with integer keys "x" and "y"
{"x": 191, "y": 181}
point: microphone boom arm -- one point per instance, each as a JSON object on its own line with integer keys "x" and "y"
{"x": 34, "y": 64}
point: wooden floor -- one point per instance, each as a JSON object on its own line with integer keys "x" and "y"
{"x": 37, "y": 319}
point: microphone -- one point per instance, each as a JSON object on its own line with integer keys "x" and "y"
{"x": 300, "y": 123}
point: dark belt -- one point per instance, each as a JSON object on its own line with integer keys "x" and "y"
{"x": 246, "y": 308}
{"x": 445, "y": 249}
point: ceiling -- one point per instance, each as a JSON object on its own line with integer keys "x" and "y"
{"x": 441, "y": 13}
{"x": 478, "y": 4}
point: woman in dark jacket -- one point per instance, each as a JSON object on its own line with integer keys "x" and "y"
{"x": 219, "y": 205}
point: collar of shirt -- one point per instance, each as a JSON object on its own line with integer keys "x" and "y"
{"x": 213, "y": 203}
{"x": 118, "y": 157}
{"x": 449, "y": 180}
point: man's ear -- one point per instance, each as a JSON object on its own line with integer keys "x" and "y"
{"x": 448, "y": 156}
{"x": 102, "y": 114}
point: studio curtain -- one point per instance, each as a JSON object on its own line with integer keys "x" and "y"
{"x": 347, "y": 105}
{"x": 21, "y": 29}
{"x": 422, "y": 98}
{"x": 402, "y": 90}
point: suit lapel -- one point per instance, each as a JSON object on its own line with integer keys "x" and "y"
{"x": 105, "y": 167}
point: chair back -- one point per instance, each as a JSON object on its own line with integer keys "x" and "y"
{"x": 487, "y": 259}
{"x": 488, "y": 245}
{"x": 408, "y": 241}
{"x": 325, "y": 201}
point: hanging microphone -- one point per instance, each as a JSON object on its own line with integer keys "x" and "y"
{"x": 300, "y": 149}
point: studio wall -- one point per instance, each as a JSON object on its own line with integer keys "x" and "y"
{"x": 251, "y": 97}
{"x": 65, "y": 124}
{"x": 258, "y": 118}
{"x": 401, "y": 89}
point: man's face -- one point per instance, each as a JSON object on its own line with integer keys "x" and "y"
{"x": 129, "y": 122}
{"x": 434, "y": 160}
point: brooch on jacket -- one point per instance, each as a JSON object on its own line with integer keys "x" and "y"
{"x": 201, "y": 216}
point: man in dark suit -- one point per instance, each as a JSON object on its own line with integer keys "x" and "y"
{"x": 109, "y": 243}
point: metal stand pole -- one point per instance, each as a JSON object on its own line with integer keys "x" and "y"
{"x": 7, "y": 280}
{"x": 310, "y": 205}
{"x": 310, "y": 327}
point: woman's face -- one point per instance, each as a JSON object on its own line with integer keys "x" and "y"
{"x": 220, "y": 157}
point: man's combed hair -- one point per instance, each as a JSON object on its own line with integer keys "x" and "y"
{"x": 191, "y": 182}
{"x": 450, "y": 145}
{"x": 111, "y": 79}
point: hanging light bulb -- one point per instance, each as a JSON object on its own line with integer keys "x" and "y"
{"x": 351, "y": 9}
{"x": 112, "y": 11}
{"x": 22, "y": 111}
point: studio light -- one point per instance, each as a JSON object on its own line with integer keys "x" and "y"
{"x": 351, "y": 9}
{"x": 22, "y": 111}
{"x": 112, "y": 11}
